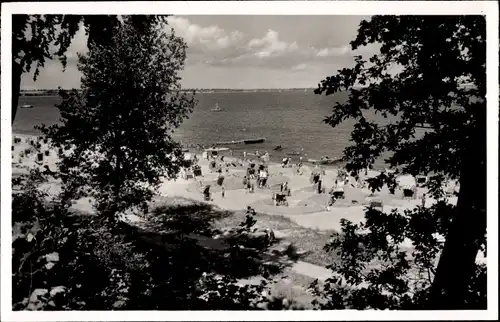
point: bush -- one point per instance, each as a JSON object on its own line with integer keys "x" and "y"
{"x": 56, "y": 253}
{"x": 377, "y": 271}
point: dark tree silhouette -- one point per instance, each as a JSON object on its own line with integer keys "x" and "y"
{"x": 438, "y": 78}
{"x": 36, "y": 38}
{"x": 120, "y": 122}
{"x": 115, "y": 144}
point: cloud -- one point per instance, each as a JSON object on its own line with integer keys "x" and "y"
{"x": 270, "y": 45}
{"x": 226, "y": 51}
{"x": 334, "y": 52}
{"x": 269, "y": 50}
{"x": 201, "y": 38}
{"x": 212, "y": 45}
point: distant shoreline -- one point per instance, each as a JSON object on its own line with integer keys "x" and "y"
{"x": 52, "y": 93}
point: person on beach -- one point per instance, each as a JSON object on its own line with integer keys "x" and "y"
{"x": 299, "y": 169}
{"x": 206, "y": 193}
{"x": 223, "y": 192}
{"x": 220, "y": 178}
{"x": 262, "y": 177}
{"x": 244, "y": 155}
{"x": 264, "y": 181}
{"x": 250, "y": 211}
{"x": 356, "y": 178}
{"x": 266, "y": 157}
{"x": 257, "y": 155}
{"x": 249, "y": 185}
{"x": 316, "y": 177}
{"x": 251, "y": 171}
{"x": 245, "y": 182}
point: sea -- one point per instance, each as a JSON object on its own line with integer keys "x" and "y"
{"x": 293, "y": 120}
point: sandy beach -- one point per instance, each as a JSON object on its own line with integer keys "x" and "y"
{"x": 307, "y": 210}
{"x": 305, "y": 206}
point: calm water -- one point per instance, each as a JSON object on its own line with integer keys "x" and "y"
{"x": 293, "y": 120}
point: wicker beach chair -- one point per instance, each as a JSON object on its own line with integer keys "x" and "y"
{"x": 280, "y": 199}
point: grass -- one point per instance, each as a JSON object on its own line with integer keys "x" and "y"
{"x": 304, "y": 239}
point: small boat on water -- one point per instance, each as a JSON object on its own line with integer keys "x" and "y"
{"x": 216, "y": 149}
{"x": 27, "y": 106}
{"x": 216, "y": 108}
{"x": 278, "y": 147}
{"x": 247, "y": 141}
{"x": 254, "y": 141}
{"x": 293, "y": 153}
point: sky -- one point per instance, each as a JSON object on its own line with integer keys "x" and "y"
{"x": 242, "y": 51}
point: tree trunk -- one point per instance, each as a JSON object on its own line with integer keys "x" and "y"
{"x": 116, "y": 181}
{"x": 457, "y": 263}
{"x": 16, "y": 87}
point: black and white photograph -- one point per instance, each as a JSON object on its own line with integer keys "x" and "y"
{"x": 187, "y": 157}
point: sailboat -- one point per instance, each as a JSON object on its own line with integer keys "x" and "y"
{"x": 216, "y": 108}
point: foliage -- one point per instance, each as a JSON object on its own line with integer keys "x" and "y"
{"x": 128, "y": 106}
{"x": 430, "y": 70}
{"x": 56, "y": 253}
{"x": 37, "y": 38}
{"x": 379, "y": 269}
{"x": 442, "y": 83}
{"x": 119, "y": 125}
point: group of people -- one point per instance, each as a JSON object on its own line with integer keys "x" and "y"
{"x": 248, "y": 184}
{"x": 260, "y": 177}
{"x": 316, "y": 179}
{"x": 264, "y": 157}
{"x": 286, "y": 162}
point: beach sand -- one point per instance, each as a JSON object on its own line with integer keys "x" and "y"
{"x": 305, "y": 205}
{"x": 306, "y": 208}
